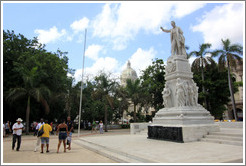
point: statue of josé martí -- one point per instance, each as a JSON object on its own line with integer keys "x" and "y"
{"x": 182, "y": 119}
{"x": 177, "y": 40}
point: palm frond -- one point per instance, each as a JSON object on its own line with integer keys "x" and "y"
{"x": 217, "y": 53}
{"x": 203, "y": 47}
{"x": 196, "y": 64}
{"x": 222, "y": 62}
{"x": 226, "y": 44}
{"x": 235, "y": 48}
{"x": 15, "y": 94}
{"x": 194, "y": 53}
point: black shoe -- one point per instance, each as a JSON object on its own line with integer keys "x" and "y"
{"x": 17, "y": 149}
{"x": 47, "y": 151}
{"x": 41, "y": 152}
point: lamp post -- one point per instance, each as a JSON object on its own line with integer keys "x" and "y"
{"x": 81, "y": 88}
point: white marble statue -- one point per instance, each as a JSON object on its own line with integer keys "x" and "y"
{"x": 180, "y": 93}
{"x": 186, "y": 92}
{"x": 177, "y": 40}
{"x": 191, "y": 94}
{"x": 166, "y": 97}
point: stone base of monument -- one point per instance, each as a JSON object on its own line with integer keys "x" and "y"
{"x": 182, "y": 124}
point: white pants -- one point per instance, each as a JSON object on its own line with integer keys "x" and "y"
{"x": 38, "y": 143}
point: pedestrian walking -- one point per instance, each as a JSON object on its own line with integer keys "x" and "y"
{"x": 7, "y": 129}
{"x": 34, "y": 128}
{"x": 38, "y": 138}
{"x": 45, "y": 137}
{"x": 51, "y": 124}
{"x": 17, "y": 132}
{"x": 63, "y": 132}
{"x": 89, "y": 125}
{"x": 94, "y": 127}
{"x": 70, "y": 130}
{"x": 101, "y": 127}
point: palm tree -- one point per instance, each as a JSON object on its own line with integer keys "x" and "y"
{"x": 121, "y": 95}
{"x": 104, "y": 92}
{"x": 228, "y": 56}
{"x": 30, "y": 90}
{"x": 200, "y": 62}
{"x": 134, "y": 91}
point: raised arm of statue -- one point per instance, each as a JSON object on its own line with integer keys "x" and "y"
{"x": 164, "y": 30}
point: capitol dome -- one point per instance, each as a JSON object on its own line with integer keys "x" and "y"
{"x": 128, "y": 73}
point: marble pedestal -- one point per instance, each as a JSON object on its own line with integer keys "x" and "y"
{"x": 182, "y": 119}
{"x": 182, "y": 124}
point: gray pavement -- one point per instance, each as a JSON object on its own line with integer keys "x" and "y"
{"x": 118, "y": 146}
{"x": 126, "y": 148}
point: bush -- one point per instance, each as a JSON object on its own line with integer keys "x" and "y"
{"x": 125, "y": 126}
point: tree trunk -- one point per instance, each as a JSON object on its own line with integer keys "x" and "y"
{"x": 106, "y": 118}
{"x": 231, "y": 91}
{"x": 27, "y": 115}
{"x": 203, "y": 88}
{"x": 134, "y": 114}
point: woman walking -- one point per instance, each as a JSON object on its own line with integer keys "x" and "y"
{"x": 101, "y": 127}
{"x": 63, "y": 131}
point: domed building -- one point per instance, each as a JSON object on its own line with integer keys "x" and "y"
{"x": 128, "y": 73}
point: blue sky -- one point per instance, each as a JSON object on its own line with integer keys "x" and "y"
{"x": 117, "y": 32}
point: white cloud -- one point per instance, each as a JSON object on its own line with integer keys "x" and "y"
{"x": 51, "y": 35}
{"x": 186, "y": 8}
{"x": 141, "y": 59}
{"x": 92, "y": 51}
{"x": 80, "y": 25}
{"x": 191, "y": 59}
{"x": 226, "y": 21}
{"x": 122, "y": 22}
{"x": 107, "y": 65}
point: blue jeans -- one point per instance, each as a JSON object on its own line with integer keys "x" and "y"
{"x": 18, "y": 141}
{"x": 101, "y": 130}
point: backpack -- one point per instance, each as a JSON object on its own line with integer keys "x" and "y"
{"x": 41, "y": 131}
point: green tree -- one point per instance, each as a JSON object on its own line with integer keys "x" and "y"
{"x": 104, "y": 91}
{"x": 31, "y": 89}
{"x": 152, "y": 81}
{"x": 134, "y": 92}
{"x": 28, "y": 65}
{"x": 121, "y": 102}
{"x": 229, "y": 55}
{"x": 200, "y": 62}
{"x": 217, "y": 89}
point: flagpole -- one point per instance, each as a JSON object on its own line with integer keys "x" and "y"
{"x": 81, "y": 88}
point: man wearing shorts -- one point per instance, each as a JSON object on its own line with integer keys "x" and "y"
{"x": 70, "y": 129}
{"x": 45, "y": 137}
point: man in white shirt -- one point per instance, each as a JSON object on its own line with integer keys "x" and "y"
{"x": 38, "y": 138}
{"x": 17, "y": 132}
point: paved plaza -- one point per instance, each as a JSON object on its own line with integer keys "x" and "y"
{"x": 119, "y": 146}
{"x": 26, "y": 154}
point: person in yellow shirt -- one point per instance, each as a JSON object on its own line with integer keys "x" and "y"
{"x": 45, "y": 137}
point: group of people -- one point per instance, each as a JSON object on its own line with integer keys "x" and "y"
{"x": 94, "y": 127}
{"x": 6, "y": 129}
{"x": 64, "y": 131}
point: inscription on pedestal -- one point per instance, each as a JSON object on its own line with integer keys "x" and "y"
{"x": 165, "y": 133}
